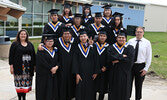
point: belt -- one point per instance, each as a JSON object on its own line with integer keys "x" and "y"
{"x": 139, "y": 63}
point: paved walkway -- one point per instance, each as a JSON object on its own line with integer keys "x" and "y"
{"x": 154, "y": 87}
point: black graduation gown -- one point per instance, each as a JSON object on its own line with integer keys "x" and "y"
{"x": 87, "y": 21}
{"x": 119, "y": 73}
{"x": 75, "y": 32}
{"x": 93, "y": 30}
{"x": 107, "y": 22}
{"x": 46, "y": 83}
{"x": 52, "y": 28}
{"x": 65, "y": 77}
{"x": 85, "y": 64}
{"x": 65, "y": 20}
{"x": 101, "y": 80}
{"x": 112, "y": 34}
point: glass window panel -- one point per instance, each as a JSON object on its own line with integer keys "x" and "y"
{"x": 141, "y": 8}
{"x": 137, "y": 7}
{"x": 45, "y": 19}
{"x": 28, "y": 5}
{"x": 12, "y": 22}
{"x": 38, "y": 31}
{"x": 60, "y": 7}
{"x": 120, "y": 5}
{"x": 38, "y": 6}
{"x": 95, "y": 3}
{"x": 1, "y": 31}
{"x": 131, "y": 7}
{"x": 29, "y": 30}
{"x": 12, "y": 32}
{"x": 38, "y": 21}
{"x": 27, "y": 20}
{"x": 47, "y": 6}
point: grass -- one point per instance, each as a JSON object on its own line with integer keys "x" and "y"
{"x": 159, "y": 46}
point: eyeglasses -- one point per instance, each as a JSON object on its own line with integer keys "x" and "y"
{"x": 139, "y": 31}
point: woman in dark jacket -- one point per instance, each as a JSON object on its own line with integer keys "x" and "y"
{"x": 22, "y": 62}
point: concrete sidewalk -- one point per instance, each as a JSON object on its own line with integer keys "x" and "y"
{"x": 154, "y": 88}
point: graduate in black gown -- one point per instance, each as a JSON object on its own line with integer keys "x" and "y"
{"x": 86, "y": 68}
{"x": 101, "y": 80}
{"x": 77, "y": 25}
{"x": 87, "y": 18}
{"x": 46, "y": 67}
{"x": 107, "y": 16}
{"x": 66, "y": 16}
{"x": 53, "y": 27}
{"x": 66, "y": 79}
{"x": 115, "y": 28}
{"x": 96, "y": 26}
{"x": 120, "y": 57}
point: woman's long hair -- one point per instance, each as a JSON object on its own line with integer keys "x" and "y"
{"x": 120, "y": 24}
{"x": 83, "y": 12}
{"x": 18, "y": 36}
{"x": 70, "y": 13}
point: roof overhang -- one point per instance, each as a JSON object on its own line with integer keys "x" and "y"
{"x": 9, "y": 8}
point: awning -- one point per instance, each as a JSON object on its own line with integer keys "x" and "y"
{"x": 9, "y": 8}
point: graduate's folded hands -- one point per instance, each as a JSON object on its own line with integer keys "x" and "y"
{"x": 54, "y": 69}
{"x": 94, "y": 76}
{"x": 78, "y": 78}
{"x": 116, "y": 61}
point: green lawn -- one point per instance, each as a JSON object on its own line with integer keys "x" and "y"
{"x": 159, "y": 46}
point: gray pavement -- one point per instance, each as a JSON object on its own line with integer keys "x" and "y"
{"x": 153, "y": 89}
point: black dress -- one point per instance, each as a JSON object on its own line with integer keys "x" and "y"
{"x": 85, "y": 63}
{"x": 119, "y": 73}
{"x": 23, "y": 60}
{"x": 65, "y": 20}
{"x": 66, "y": 79}
{"x": 53, "y": 28}
{"x": 46, "y": 82}
{"x": 102, "y": 79}
{"x": 87, "y": 21}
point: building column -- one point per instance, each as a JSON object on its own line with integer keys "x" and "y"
{"x": 20, "y": 19}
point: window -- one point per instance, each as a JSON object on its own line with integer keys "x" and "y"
{"x": 95, "y": 3}
{"x": 104, "y": 3}
{"x": 113, "y": 4}
{"x": 136, "y": 7}
{"x": 120, "y": 5}
{"x": 131, "y": 7}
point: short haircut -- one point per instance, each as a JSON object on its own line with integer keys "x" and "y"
{"x": 140, "y": 27}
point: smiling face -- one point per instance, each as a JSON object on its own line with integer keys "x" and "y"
{"x": 102, "y": 38}
{"x": 121, "y": 39}
{"x": 77, "y": 20}
{"x": 54, "y": 17}
{"x": 67, "y": 36}
{"x": 139, "y": 33}
{"x": 87, "y": 11}
{"x": 67, "y": 10}
{"x": 98, "y": 20}
{"x": 107, "y": 12}
{"x": 49, "y": 43}
{"x": 23, "y": 36}
{"x": 83, "y": 38}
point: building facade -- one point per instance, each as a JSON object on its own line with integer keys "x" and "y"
{"x": 36, "y": 16}
{"x": 133, "y": 12}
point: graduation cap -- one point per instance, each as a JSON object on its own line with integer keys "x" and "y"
{"x": 107, "y": 6}
{"x": 48, "y": 36}
{"x": 117, "y": 14}
{"x": 66, "y": 29}
{"x": 98, "y": 14}
{"x": 67, "y": 5}
{"x": 82, "y": 31}
{"x": 53, "y": 11}
{"x": 87, "y": 5}
{"x": 102, "y": 31}
{"x": 77, "y": 15}
{"x": 122, "y": 34}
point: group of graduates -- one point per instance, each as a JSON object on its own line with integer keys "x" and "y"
{"x": 81, "y": 55}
